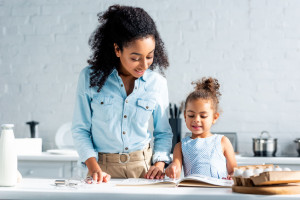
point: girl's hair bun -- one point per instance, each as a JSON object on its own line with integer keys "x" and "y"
{"x": 210, "y": 85}
{"x": 206, "y": 88}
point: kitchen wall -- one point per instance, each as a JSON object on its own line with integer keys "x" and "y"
{"x": 251, "y": 46}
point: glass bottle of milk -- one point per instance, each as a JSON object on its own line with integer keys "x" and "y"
{"x": 8, "y": 156}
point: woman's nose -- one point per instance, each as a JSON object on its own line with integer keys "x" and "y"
{"x": 144, "y": 64}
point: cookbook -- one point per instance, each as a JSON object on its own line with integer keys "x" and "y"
{"x": 194, "y": 180}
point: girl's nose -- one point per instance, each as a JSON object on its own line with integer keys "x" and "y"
{"x": 197, "y": 119}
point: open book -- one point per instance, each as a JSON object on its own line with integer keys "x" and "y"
{"x": 194, "y": 180}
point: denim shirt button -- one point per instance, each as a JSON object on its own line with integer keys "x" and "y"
{"x": 126, "y": 101}
{"x": 121, "y": 85}
{"x": 125, "y": 116}
{"x": 126, "y": 148}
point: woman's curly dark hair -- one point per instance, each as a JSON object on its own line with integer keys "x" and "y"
{"x": 206, "y": 88}
{"x": 121, "y": 25}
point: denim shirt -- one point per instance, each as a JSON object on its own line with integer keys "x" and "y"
{"x": 109, "y": 121}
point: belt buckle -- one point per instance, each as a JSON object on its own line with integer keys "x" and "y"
{"x": 127, "y": 156}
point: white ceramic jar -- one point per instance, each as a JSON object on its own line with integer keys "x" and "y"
{"x": 8, "y": 156}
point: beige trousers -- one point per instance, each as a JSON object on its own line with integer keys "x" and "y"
{"x": 132, "y": 165}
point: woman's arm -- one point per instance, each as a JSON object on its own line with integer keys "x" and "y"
{"x": 162, "y": 130}
{"x": 229, "y": 155}
{"x": 81, "y": 128}
{"x": 174, "y": 169}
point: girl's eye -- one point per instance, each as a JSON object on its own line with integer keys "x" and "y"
{"x": 203, "y": 117}
{"x": 191, "y": 116}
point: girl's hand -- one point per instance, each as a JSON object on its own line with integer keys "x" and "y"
{"x": 172, "y": 170}
{"x": 156, "y": 171}
{"x": 228, "y": 177}
{"x": 95, "y": 172}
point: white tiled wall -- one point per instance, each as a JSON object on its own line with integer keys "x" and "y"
{"x": 251, "y": 46}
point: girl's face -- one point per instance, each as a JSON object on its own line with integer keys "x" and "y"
{"x": 136, "y": 57}
{"x": 199, "y": 117}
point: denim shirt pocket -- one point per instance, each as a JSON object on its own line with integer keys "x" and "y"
{"x": 102, "y": 107}
{"x": 144, "y": 110}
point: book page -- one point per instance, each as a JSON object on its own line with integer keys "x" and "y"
{"x": 146, "y": 182}
{"x": 209, "y": 180}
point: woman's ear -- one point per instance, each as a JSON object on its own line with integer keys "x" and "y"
{"x": 216, "y": 116}
{"x": 117, "y": 50}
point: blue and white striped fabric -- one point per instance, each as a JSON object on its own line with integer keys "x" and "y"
{"x": 204, "y": 156}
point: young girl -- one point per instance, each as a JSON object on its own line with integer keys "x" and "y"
{"x": 117, "y": 94}
{"x": 203, "y": 153}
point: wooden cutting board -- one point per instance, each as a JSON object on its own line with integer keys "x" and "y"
{"x": 271, "y": 190}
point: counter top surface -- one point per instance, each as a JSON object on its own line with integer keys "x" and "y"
{"x": 267, "y": 160}
{"x": 45, "y": 156}
{"x": 46, "y": 189}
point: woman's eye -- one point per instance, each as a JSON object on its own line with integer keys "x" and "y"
{"x": 135, "y": 59}
{"x": 149, "y": 58}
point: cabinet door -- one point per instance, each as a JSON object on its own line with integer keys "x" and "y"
{"x": 45, "y": 169}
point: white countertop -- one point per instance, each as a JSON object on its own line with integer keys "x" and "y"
{"x": 44, "y": 156}
{"x": 45, "y": 189}
{"x": 268, "y": 160}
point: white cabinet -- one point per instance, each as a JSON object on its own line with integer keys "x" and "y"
{"x": 49, "y": 166}
{"x": 46, "y": 169}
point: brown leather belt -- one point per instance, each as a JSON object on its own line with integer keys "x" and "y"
{"x": 125, "y": 157}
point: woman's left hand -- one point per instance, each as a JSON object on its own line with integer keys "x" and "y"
{"x": 156, "y": 171}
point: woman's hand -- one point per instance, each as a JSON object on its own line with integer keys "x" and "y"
{"x": 156, "y": 171}
{"x": 172, "y": 171}
{"x": 95, "y": 171}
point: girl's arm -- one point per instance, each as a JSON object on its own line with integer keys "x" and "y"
{"x": 174, "y": 169}
{"x": 229, "y": 155}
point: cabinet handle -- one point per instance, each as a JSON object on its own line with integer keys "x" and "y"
{"x": 30, "y": 172}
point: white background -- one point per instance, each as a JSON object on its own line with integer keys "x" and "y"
{"x": 251, "y": 46}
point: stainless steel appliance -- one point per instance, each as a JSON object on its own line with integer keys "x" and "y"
{"x": 297, "y": 141}
{"x": 264, "y": 146}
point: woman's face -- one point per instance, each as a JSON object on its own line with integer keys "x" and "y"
{"x": 136, "y": 56}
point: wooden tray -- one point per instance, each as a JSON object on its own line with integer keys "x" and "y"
{"x": 270, "y": 190}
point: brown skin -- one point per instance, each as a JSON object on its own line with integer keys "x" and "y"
{"x": 96, "y": 172}
{"x": 174, "y": 169}
{"x": 135, "y": 59}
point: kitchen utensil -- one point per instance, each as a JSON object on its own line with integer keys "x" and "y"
{"x": 264, "y": 146}
{"x": 268, "y": 190}
{"x": 297, "y": 141}
{"x": 33, "y": 129}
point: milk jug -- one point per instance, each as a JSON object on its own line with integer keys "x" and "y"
{"x": 8, "y": 156}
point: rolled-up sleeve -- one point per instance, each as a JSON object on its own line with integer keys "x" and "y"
{"x": 81, "y": 124}
{"x": 162, "y": 131}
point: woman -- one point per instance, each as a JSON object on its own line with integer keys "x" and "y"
{"x": 116, "y": 96}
